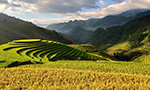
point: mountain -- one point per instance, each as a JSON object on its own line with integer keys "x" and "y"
{"x": 133, "y": 12}
{"x": 68, "y": 26}
{"x": 12, "y": 29}
{"x": 132, "y": 31}
{"x": 114, "y": 20}
{"x": 13, "y": 19}
{"x": 93, "y": 24}
{"x": 78, "y": 35}
{"x": 94, "y": 19}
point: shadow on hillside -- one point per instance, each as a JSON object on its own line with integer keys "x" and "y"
{"x": 15, "y": 64}
{"x": 2, "y": 61}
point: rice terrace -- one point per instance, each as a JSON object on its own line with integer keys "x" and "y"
{"x": 42, "y": 64}
{"x": 74, "y": 44}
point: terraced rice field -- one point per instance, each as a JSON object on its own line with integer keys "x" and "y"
{"x": 37, "y": 69}
{"x": 48, "y": 49}
{"x": 85, "y": 47}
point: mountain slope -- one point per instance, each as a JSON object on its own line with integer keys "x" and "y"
{"x": 93, "y": 24}
{"x": 10, "y": 30}
{"x": 133, "y": 12}
{"x": 79, "y": 35}
{"x": 116, "y": 34}
{"x": 13, "y": 19}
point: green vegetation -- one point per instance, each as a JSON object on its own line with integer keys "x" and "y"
{"x": 119, "y": 34}
{"x": 96, "y": 66}
{"x": 12, "y": 31}
{"x": 43, "y": 64}
{"x": 43, "y": 51}
{"x": 143, "y": 59}
{"x": 78, "y": 35}
{"x": 120, "y": 47}
{"x": 93, "y": 24}
{"x": 30, "y": 73}
{"x": 84, "y": 47}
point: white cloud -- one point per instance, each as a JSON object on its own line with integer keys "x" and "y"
{"x": 58, "y": 20}
{"x": 72, "y": 9}
{"x": 117, "y": 8}
{"x": 56, "y": 6}
{"x": 99, "y": 13}
{"x": 103, "y": 3}
{"x": 118, "y": 1}
{"x": 3, "y": 1}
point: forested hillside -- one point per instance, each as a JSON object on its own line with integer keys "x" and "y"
{"x": 117, "y": 34}
{"x": 13, "y": 29}
{"x": 79, "y": 35}
{"x": 93, "y": 24}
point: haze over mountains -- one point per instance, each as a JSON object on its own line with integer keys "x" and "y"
{"x": 93, "y": 24}
{"x": 114, "y": 29}
{"x": 80, "y": 31}
{"x": 133, "y": 30}
{"x": 12, "y": 28}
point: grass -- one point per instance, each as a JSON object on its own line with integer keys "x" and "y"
{"x": 97, "y": 66}
{"x": 54, "y": 79}
{"x": 125, "y": 46}
{"x": 84, "y": 47}
{"x": 70, "y": 74}
{"x": 36, "y": 48}
{"x": 143, "y": 59}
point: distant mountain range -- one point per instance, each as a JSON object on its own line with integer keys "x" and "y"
{"x": 77, "y": 30}
{"x": 78, "y": 35}
{"x": 93, "y": 24}
{"x": 134, "y": 31}
{"x": 12, "y": 28}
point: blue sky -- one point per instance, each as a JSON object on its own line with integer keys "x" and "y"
{"x": 44, "y": 12}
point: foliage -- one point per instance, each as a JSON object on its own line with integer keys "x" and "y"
{"x": 69, "y": 79}
{"x": 118, "y": 34}
{"x": 148, "y": 27}
{"x": 145, "y": 58}
{"x": 48, "y": 49}
{"x": 85, "y": 47}
{"x": 120, "y": 47}
{"x": 92, "y": 24}
{"x": 78, "y": 35}
{"x": 12, "y": 31}
{"x": 136, "y": 38}
{"x": 98, "y": 66}
{"x": 128, "y": 56}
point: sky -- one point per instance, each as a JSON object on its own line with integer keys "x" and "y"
{"x": 45, "y": 12}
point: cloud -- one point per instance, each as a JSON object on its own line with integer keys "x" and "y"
{"x": 58, "y": 20}
{"x": 13, "y": 5}
{"x": 99, "y": 13}
{"x": 71, "y": 9}
{"x": 58, "y": 6}
{"x": 3, "y": 1}
{"x": 118, "y": 1}
{"x": 103, "y": 3}
{"x": 117, "y": 8}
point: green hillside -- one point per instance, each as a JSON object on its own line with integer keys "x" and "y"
{"x": 11, "y": 31}
{"x": 78, "y": 35}
{"x": 117, "y": 34}
{"x": 43, "y": 51}
{"x": 108, "y": 21}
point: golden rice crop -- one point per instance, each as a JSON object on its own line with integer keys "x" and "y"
{"x": 143, "y": 59}
{"x": 60, "y": 79}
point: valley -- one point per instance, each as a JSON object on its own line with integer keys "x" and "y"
{"x": 110, "y": 53}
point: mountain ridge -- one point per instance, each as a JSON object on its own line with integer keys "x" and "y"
{"x": 12, "y": 29}
{"x": 108, "y": 21}
{"x": 117, "y": 34}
